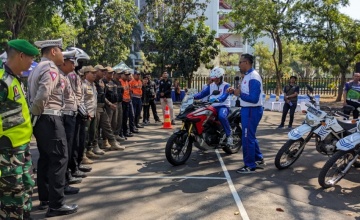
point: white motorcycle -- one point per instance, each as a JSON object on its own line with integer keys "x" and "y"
{"x": 325, "y": 127}
{"x": 347, "y": 156}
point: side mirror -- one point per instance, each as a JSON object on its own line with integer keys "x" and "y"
{"x": 311, "y": 90}
{"x": 215, "y": 92}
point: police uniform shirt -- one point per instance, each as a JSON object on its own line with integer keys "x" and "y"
{"x": 45, "y": 87}
{"x": 76, "y": 84}
{"x": 90, "y": 97}
{"x": 69, "y": 95}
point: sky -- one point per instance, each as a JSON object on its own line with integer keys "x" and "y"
{"x": 353, "y": 10}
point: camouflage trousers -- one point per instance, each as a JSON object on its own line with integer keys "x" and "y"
{"x": 16, "y": 182}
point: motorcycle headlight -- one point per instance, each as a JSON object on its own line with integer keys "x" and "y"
{"x": 309, "y": 121}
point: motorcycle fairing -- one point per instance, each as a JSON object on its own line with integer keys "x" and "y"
{"x": 298, "y": 132}
{"x": 348, "y": 142}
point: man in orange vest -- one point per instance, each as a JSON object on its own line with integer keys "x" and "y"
{"x": 125, "y": 102}
{"x": 136, "y": 93}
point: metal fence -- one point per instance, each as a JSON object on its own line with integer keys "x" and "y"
{"x": 322, "y": 86}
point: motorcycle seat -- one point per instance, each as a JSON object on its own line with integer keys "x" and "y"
{"x": 347, "y": 125}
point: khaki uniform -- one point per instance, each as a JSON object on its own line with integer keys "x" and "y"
{"x": 46, "y": 97}
{"x": 90, "y": 99}
{"x": 70, "y": 98}
{"x": 45, "y": 88}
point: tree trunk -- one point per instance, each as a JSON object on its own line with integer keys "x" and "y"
{"x": 341, "y": 87}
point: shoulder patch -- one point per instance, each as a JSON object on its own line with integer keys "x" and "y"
{"x": 16, "y": 93}
{"x": 53, "y": 75}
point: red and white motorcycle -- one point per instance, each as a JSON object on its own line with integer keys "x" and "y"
{"x": 202, "y": 129}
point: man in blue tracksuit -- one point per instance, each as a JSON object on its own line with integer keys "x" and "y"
{"x": 222, "y": 100}
{"x": 251, "y": 113}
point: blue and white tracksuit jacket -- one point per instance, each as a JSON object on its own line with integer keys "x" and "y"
{"x": 251, "y": 112}
{"x": 222, "y": 107}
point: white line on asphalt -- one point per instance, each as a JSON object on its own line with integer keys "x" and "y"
{"x": 236, "y": 196}
{"x": 156, "y": 177}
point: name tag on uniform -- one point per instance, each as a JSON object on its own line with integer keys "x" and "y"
{"x": 89, "y": 90}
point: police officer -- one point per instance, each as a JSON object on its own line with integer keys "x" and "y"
{"x": 16, "y": 180}
{"x": 45, "y": 95}
{"x": 120, "y": 91}
{"x": 69, "y": 116}
{"x": 112, "y": 96}
{"x": 79, "y": 157}
{"x": 90, "y": 101}
{"x": 102, "y": 119}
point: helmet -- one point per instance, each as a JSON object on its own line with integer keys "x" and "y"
{"x": 217, "y": 72}
{"x": 80, "y": 54}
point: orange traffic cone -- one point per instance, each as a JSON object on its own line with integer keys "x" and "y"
{"x": 167, "y": 121}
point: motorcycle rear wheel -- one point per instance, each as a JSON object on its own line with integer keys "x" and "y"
{"x": 286, "y": 156}
{"x": 332, "y": 171}
{"x": 175, "y": 151}
{"x": 237, "y": 141}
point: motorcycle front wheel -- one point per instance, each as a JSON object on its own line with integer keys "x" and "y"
{"x": 175, "y": 151}
{"x": 289, "y": 153}
{"x": 332, "y": 171}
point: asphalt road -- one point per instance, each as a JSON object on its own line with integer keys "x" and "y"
{"x": 139, "y": 183}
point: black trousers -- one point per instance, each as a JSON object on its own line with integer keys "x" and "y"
{"x": 125, "y": 108}
{"x": 146, "y": 113}
{"x": 153, "y": 109}
{"x": 355, "y": 112}
{"x": 69, "y": 125}
{"x": 286, "y": 109}
{"x": 78, "y": 142}
{"x": 51, "y": 142}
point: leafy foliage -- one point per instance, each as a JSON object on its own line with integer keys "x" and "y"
{"x": 176, "y": 37}
{"x": 108, "y": 34}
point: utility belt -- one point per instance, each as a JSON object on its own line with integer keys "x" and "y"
{"x": 100, "y": 105}
{"x": 52, "y": 112}
{"x": 70, "y": 113}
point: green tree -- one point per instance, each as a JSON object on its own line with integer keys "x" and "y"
{"x": 20, "y": 16}
{"x": 195, "y": 44}
{"x": 259, "y": 18}
{"x": 331, "y": 37}
{"x": 146, "y": 67}
{"x": 175, "y": 37}
{"x": 107, "y": 36}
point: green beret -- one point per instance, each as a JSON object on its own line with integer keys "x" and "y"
{"x": 23, "y": 46}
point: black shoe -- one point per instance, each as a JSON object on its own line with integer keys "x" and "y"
{"x": 75, "y": 180}
{"x": 43, "y": 205}
{"x": 158, "y": 121}
{"x": 290, "y": 127}
{"x": 260, "y": 164}
{"x": 135, "y": 131}
{"x": 246, "y": 170}
{"x": 280, "y": 126}
{"x": 172, "y": 122}
{"x": 68, "y": 190}
{"x": 129, "y": 135}
{"x": 139, "y": 126}
{"x": 63, "y": 210}
{"x": 85, "y": 168}
{"x": 79, "y": 173}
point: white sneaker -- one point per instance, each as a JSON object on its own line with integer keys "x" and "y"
{"x": 230, "y": 140}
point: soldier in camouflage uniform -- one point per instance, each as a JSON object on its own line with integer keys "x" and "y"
{"x": 16, "y": 178}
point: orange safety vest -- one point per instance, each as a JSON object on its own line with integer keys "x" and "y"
{"x": 126, "y": 94}
{"x": 136, "y": 88}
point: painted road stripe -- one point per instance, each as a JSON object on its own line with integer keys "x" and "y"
{"x": 156, "y": 177}
{"x": 236, "y": 196}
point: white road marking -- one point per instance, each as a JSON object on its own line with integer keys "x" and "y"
{"x": 236, "y": 196}
{"x": 156, "y": 177}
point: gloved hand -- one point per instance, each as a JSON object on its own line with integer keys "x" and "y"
{"x": 212, "y": 100}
